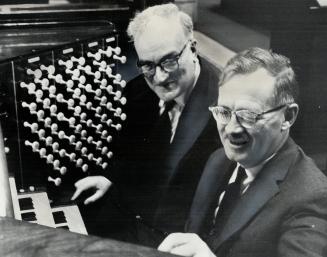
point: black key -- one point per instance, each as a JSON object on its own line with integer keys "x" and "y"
{"x": 59, "y": 217}
{"x": 29, "y": 216}
{"x": 26, "y": 204}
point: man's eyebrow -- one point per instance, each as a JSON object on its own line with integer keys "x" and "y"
{"x": 166, "y": 56}
{"x": 143, "y": 62}
{"x": 169, "y": 55}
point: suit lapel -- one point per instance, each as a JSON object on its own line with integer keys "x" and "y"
{"x": 215, "y": 175}
{"x": 264, "y": 187}
{"x": 195, "y": 116}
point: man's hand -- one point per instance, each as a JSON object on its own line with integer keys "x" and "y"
{"x": 99, "y": 183}
{"x": 185, "y": 244}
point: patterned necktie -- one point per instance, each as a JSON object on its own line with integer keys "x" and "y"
{"x": 232, "y": 194}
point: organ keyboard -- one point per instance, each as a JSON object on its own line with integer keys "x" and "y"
{"x": 65, "y": 113}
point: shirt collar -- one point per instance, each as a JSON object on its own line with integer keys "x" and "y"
{"x": 251, "y": 173}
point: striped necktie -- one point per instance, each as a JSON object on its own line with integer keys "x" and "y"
{"x": 227, "y": 204}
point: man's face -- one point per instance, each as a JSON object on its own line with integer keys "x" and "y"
{"x": 251, "y": 146}
{"x": 164, "y": 39}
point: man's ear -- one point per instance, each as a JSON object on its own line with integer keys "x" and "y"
{"x": 290, "y": 115}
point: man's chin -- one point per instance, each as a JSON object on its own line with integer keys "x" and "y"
{"x": 167, "y": 96}
{"x": 236, "y": 154}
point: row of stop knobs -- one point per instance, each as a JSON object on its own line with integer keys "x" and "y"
{"x": 71, "y": 156}
{"x": 72, "y": 138}
{"x": 102, "y": 67}
{"x": 76, "y": 94}
{"x": 75, "y": 76}
{"x": 82, "y": 117}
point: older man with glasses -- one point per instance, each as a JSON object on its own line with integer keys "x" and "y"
{"x": 260, "y": 195}
{"x": 169, "y": 133}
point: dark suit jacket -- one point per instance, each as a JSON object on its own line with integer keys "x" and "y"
{"x": 283, "y": 213}
{"x": 154, "y": 179}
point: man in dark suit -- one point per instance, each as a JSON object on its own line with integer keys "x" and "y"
{"x": 159, "y": 163}
{"x": 260, "y": 195}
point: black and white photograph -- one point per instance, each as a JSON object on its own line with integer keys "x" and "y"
{"x": 150, "y": 128}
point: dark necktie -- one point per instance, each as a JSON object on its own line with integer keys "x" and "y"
{"x": 164, "y": 124}
{"x": 232, "y": 194}
{"x": 159, "y": 139}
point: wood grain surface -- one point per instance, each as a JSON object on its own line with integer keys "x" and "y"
{"x": 24, "y": 239}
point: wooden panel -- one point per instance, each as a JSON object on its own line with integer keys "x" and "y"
{"x": 31, "y": 240}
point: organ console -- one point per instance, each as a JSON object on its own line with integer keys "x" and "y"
{"x": 65, "y": 111}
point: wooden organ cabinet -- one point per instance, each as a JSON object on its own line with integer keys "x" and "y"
{"x": 62, "y": 110}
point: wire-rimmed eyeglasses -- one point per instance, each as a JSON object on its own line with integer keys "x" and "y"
{"x": 246, "y": 118}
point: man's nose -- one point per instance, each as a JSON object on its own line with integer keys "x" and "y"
{"x": 160, "y": 75}
{"x": 233, "y": 126}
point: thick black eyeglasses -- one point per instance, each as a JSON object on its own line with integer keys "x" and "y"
{"x": 246, "y": 118}
{"x": 168, "y": 64}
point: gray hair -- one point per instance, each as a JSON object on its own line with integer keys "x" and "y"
{"x": 278, "y": 66}
{"x": 167, "y": 11}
